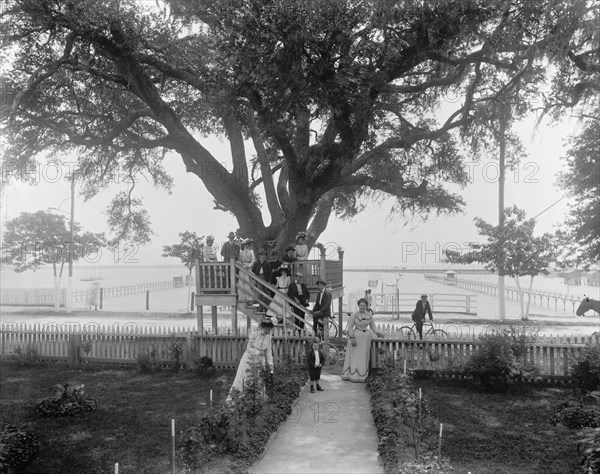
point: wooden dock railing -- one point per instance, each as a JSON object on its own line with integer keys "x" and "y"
{"x": 543, "y": 299}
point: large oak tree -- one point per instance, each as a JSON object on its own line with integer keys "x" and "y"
{"x": 326, "y": 105}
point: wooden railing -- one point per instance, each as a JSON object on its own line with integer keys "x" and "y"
{"x": 31, "y": 296}
{"x": 545, "y": 299}
{"x": 389, "y": 303}
{"x": 263, "y": 293}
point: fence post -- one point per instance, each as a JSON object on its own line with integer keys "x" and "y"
{"x": 147, "y": 300}
{"x": 192, "y": 301}
{"x": 73, "y": 350}
{"x": 468, "y": 303}
{"x": 101, "y": 296}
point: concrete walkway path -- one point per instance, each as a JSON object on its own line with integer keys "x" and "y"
{"x": 327, "y": 432}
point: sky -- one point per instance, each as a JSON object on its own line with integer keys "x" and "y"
{"x": 371, "y": 238}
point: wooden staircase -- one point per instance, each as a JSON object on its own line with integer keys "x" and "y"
{"x": 256, "y": 297}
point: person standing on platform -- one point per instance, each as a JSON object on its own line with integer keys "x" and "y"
{"x": 322, "y": 308}
{"x": 210, "y": 255}
{"x": 299, "y": 293}
{"x": 301, "y": 251}
{"x": 229, "y": 250}
{"x": 418, "y": 316}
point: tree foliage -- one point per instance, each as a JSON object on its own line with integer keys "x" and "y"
{"x": 325, "y": 104}
{"x": 515, "y": 247}
{"x": 41, "y": 238}
{"x": 186, "y": 250}
{"x": 581, "y": 181}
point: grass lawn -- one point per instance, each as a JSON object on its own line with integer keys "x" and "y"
{"x": 132, "y": 425}
{"x": 488, "y": 433}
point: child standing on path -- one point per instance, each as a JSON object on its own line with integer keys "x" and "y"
{"x": 315, "y": 360}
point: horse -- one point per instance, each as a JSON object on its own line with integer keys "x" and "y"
{"x": 587, "y": 304}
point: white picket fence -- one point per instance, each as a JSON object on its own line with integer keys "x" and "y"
{"x": 125, "y": 344}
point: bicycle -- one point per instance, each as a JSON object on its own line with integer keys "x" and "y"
{"x": 410, "y": 332}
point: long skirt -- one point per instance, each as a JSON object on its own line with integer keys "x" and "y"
{"x": 356, "y": 362}
{"x": 248, "y": 371}
{"x": 275, "y": 309}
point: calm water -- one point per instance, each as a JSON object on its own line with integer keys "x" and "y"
{"x": 128, "y": 274}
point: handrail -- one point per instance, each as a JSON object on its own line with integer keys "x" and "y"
{"x": 286, "y": 298}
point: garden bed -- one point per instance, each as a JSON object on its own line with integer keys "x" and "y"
{"x": 132, "y": 424}
{"x": 508, "y": 433}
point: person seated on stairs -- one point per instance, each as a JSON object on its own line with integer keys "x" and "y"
{"x": 262, "y": 269}
{"x": 278, "y": 302}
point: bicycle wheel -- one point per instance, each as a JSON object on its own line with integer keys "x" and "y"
{"x": 406, "y": 332}
{"x": 440, "y": 334}
{"x": 332, "y": 355}
{"x": 333, "y": 329}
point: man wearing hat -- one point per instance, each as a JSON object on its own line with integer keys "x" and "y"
{"x": 230, "y": 249}
{"x": 322, "y": 308}
{"x": 418, "y": 316}
{"x": 299, "y": 293}
{"x": 262, "y": 269}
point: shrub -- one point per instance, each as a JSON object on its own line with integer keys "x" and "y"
{"x": 148, "y": 362}
{"x": 17, "y": 448}
{"x": 586, "y": 371}
{"x": 575, "y": 417}
{"x": 67, "y": 400}
{"x": 589, "y": 445}
{"x": 204, "y": 365}
{"x": 24, "y": 356}
{"x": 175, "y": 354}
{"x": 499, "y": 359}
{"x": 241, "y": 428}
{"x": 401, "y": 420}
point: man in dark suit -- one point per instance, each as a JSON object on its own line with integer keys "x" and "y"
{"x": 418, "y": 316}
{"x": 262, "y": 269}
{"x": 299, "y": 293}
{"x": 322, "y": 308}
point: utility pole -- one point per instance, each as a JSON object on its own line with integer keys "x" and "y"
{"x": 504, "y": 111}
{"x": 71, "y": 244}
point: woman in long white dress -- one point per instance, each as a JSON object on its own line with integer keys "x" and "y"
{"x": 301, "y": 253}
{"x": 247, "y": 259}
{"x": 258, "y": 357}
{"x": 358, "y": 348}
{"x": 276, "y": 306}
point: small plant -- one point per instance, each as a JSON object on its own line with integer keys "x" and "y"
{"x": 589, "y": 445}
{"x": 67, "y": 400}
{"x": 17, "y": 448}
{"x": 204, "y": 366}
{"x": 175, "y": 354}
{"x": 576, "y": 417}
{"x": 586, "y": 371}
{"x": 148, "y": 362}
{"x": 499, "y": 360}
{"x": 25, "y": 356}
